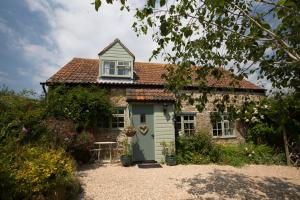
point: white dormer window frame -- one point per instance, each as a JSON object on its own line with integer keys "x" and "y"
{"x": 116, "y": 68}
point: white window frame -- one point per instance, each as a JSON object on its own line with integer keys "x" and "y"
{"x": 110, "y": 120}
{"x": 183, "y": 121}
{"x": 117, "y": 115}
{"x": 116, "y": 68}
{"x": 223, "y": 129}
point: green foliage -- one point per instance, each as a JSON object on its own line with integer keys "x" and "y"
{"x": 31, "y": 167}
{"x": 22, "y": 119}
{"x": 126, "y": 147}
{"x": 82, "y": 105}
{"x": 80, "y": 148}
{"x": 241, "y": 154}
{"x": 200, "y": 149}
{"x": 34, "y": 171}
{"x": 212, "y": 34}
{"x": 197, "y": 149}
{"x": 265, "y": 119}
{"x": 168, "y": 148}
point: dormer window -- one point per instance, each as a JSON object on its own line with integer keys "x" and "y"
{"x": 116, "y": 63}
{"x": 116, "y": 68}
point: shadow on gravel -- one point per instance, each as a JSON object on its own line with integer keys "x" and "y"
{"x": 223, "y": 185}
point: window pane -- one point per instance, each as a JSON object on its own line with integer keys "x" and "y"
{"x": 219, "y": 132}
{"x": 122, "y": 70}
{"x": 226, "y": 125}
{"x": 114, "y": 120}
{"x": 219, "y": 125}
{"x": 109, "y": 68}
{"x": 121, "y": 125}
{"x": 192, "y": 126}
{"x": 186, "y": 126}
{"x": 121, "y": 111}
{"x": 143, "y": 118}
{"x": 191, "y": 117}
{"x": 178, "y": 118}
{"x": 215, "y": 132}
{"x": 186, "y": 118}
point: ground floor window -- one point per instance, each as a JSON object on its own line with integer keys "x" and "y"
{"x": 117, "y": 120}
{"x": 222, "y": 125}
{"x": 185, "y": 123}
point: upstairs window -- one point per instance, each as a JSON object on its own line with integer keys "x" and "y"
{"x": 109, "y": 67}
{"x": 116, "y": 68}
{"x": 123, "y": 67}
{"x": 185, "y": 124}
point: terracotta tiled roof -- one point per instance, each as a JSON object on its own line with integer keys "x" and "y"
{"x": 78, "y": 70}
{"x": 81, "y": 70}
{"x": 149, "y": 95}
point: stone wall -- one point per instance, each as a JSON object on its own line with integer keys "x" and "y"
{"x": 203, "y": 123}
{"x": 118, "y": 98}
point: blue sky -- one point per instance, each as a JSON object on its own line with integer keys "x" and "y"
{"x": 18, "y": 25}
{"x": 37, "y": 37}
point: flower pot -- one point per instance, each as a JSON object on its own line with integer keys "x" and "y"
{"x": 126, "y": 160}
{"x": 170, "y": 160}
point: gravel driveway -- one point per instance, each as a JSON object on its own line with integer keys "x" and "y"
{"x": 190, "y": 182}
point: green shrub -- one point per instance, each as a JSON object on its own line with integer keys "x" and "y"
{"x": 197, "y": 149}
{"x": 200, "y": 149}
{"x": 36, "y": 172}
{"x": 232, "y": 155}
{"x": 81, "y": 147}
{"x": 31, "y": 166}
{"x": 248, "y": 153}
{"x": 84, "y": 106}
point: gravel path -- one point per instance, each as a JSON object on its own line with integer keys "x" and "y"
{"x": 190, "y": 182}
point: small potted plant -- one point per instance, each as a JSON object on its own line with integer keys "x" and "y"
{"x": 130, "y": 131}
{"x": 125, "y": 157}
{"x": 169, "y": 153}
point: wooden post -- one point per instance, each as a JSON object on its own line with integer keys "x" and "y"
{"x": 286, "y": 147}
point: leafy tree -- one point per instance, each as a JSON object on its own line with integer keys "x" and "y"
{"x": 272, "y": 119}
{"x": 83, "y": 106}
{"x": 260, "y": 36}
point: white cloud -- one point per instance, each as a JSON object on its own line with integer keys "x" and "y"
{"x": 77, "y": 30}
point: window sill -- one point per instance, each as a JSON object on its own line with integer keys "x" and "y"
{"x": 224, "y": 137}
{"x": 112, "y": 129}
{"x": 117, "y": 129}
{"x": 115, "y": 76}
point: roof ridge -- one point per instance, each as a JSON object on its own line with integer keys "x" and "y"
{"x": 78, "y": 58}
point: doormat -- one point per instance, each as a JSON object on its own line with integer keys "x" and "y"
{"x": 149, "y": 165}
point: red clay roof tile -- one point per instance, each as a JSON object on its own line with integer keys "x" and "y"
{"x": 82, "y": 70}
{"x": 149, "y": 95}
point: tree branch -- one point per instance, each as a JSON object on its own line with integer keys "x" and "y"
{"x": 281, "y": 43}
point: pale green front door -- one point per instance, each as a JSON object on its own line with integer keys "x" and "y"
{"x": 143, "y": 141}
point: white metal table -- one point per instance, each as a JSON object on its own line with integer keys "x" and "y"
{"x": 110, "y": 148}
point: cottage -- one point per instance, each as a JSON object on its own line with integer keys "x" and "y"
{"x": 137, "y": 91}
